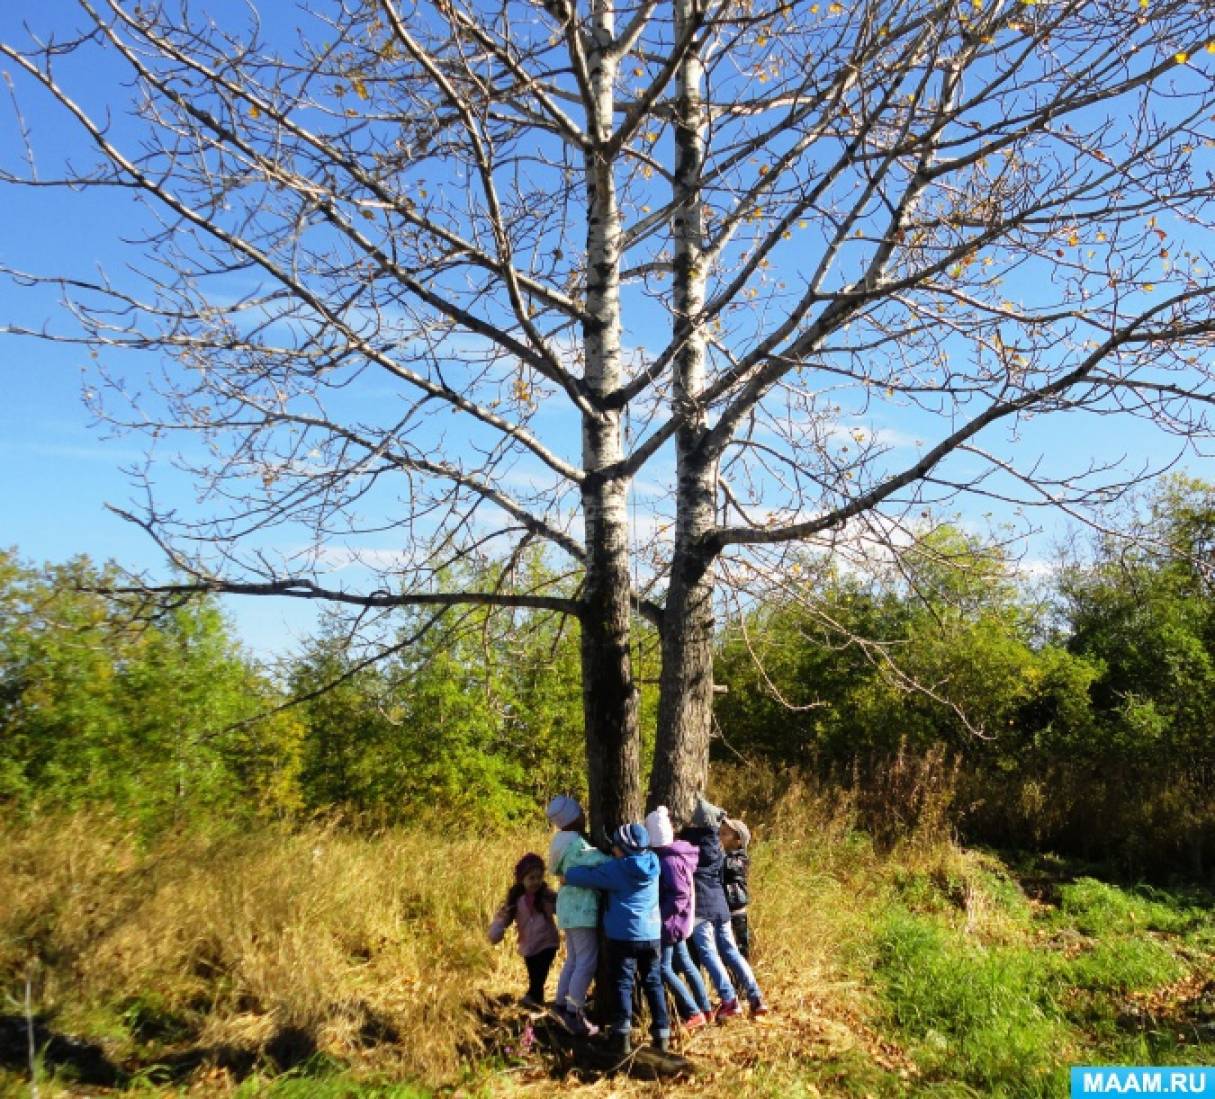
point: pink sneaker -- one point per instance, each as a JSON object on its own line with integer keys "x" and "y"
{"x": 729, "y": 1009}
{"x": 758, "y": 1008}
{"x": 694, "y": 1022}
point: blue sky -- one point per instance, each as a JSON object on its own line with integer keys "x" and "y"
{"x": 58, "y": 469}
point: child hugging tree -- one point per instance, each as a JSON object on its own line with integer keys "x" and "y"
{"x": 712, "y": 934}
{"x": 633, "y": 929}
{"x": 735, "y": 839}
{"x": 577, "y": 911}
{"x": 677, "y": 861}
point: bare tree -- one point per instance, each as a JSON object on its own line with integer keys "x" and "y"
{"x": 470, "y": 273}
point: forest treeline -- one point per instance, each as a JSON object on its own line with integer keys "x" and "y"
{"x": 1073, "y": 713}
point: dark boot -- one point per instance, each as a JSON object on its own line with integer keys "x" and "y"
{"x": 661, "y": 1042}
{"x": 620, "y": 1043}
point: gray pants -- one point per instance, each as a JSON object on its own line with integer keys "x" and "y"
{"x": 581, "y": 957}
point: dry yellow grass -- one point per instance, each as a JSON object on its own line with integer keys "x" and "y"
{"x": 333, "y": 933}
{"x": 374, "y": 945}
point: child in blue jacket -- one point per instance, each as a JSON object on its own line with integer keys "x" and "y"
{"x": 633, "y": 928}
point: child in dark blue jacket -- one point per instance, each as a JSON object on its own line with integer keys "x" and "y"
{"x": 633, "y": 928}
{"x": 712, "y": 934}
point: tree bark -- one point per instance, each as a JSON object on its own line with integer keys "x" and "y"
{"x": 609, "y": 695}
{"x": 685, "y": 706}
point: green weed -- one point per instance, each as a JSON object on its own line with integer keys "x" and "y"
{"x": 1124, "y": 964}
{"x": 984, "y": 1014}
{"x": 1097, "y": 908}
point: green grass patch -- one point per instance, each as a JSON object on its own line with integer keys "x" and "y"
{"x": 982, "y": 1014}
{"x": 1098, "y": 908}
{"x": 1124, "y": 964}
{"x": 966, "y": 885}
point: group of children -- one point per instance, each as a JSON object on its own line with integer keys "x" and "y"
{"x": 673, "y": 905}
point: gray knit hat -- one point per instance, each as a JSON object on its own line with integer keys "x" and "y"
{"x": 706, "y": 814}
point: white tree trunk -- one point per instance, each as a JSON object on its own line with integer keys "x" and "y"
{"x": 608, "y": 692}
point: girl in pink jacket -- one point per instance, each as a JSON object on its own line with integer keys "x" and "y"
{"x": 530, "y": 905}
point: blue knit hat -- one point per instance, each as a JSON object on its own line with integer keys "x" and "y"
{"x": 562, "y": 811}
{"x": 631, "y": 837}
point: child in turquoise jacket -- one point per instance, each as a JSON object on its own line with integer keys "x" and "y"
{"x": 577, "y": 911}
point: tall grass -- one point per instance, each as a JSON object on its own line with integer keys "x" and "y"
{"x": 369, "y": 950}
{"x": 230, "y": 940}
{"x": 358, "y": 960}
{"x": 981, "y": 1013}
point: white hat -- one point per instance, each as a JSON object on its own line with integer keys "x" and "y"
{"x": 658, "y": 824}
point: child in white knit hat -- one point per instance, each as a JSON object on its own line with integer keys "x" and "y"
{"x": 676, "y": 899}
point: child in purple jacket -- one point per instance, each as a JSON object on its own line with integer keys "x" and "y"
{"x": 676, "y": 897}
